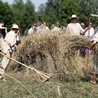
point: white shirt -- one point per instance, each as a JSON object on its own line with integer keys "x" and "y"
{"x": 42, "y": 29}
{"x": 11, "y": 38}
{"x": 55, "y": 29}
{"x": 95, "y": 39}
{"x": 3, "y": 45}
{"x": 74, "y": 29}
{"x": 90, "y": 33}
{"x": 1, "y": 41}
{"x": 47, "y": 28}
{"x": 31, "y": 31}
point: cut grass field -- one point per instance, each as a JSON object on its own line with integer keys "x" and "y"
{"x": 58, "y": 54}
{"x": 54, "y": 88}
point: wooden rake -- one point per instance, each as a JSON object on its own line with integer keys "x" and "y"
{"x": 42, "y": 74}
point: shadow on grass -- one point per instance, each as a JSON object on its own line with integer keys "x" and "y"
{"x": 86, "y": 78}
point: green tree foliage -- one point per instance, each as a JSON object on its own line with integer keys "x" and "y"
{"x": 68, "y": 7}
{"x": 29, "y": 14}
{"x": 18, "y": 9}
{"x": 59, "y": 11}
{"x": 87, "y": 7}
{"x": 51, "y": 12}
{"x": 54, "y": 11}
{"x": 41, "y": 12}
{"x": 6, "y": 14}
{"x": 25, "y": 13}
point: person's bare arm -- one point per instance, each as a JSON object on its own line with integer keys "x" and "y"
{"x": 16, "y": 46}
{"x": 92, "y": 45}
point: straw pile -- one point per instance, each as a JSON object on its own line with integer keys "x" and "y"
{"x": 54, "y": 52}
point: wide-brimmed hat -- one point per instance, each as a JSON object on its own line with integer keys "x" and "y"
{"x": 73, "y": 16}
{"x": 15, "y": 27}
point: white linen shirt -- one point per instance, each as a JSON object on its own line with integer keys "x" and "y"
{"x": 55, "y": 29}
{"x": 74, "y": 29}
{"x": 31, "y": 31}
{"x": 90, "y": 33}
{"x": 10, "y": 38}
{"x": 95, "y": 39}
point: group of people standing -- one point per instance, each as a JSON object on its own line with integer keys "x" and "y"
{"x": 8, "y": 44}
{"x": 75, "y": 28}
{"x": 10, "y": 40}
{"x": 43, "y": 28}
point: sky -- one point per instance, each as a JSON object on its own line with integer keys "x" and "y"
{"x": 36, "y": 2}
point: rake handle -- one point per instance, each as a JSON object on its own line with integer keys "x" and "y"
{"x": 38, "y": 72}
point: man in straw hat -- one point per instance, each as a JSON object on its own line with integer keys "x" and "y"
{"x": 9, "y": 43}
{"x": 74, "y": 28}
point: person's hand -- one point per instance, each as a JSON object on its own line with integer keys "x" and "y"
{"x": 88, "y": 48}
{"x": 7, "y": 55}
{"x": 16, "y": 46}
{"x": 92, "y": 45}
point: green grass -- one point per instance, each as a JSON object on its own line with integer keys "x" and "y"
{"x": 53, "y": 88}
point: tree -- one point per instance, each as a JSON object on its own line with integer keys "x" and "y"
{"x": 41, "y": 12}
{"x": 68, "y": 8}
{"x": 51, "y": 12}
{"x": 87, "y": 7}
{"x": 6, "y": 14}
{"x": 29, "y": 14}
{"x": 25, "y": 13}
{"x": 18, "y": 9}
{"x": 59, "y": 11}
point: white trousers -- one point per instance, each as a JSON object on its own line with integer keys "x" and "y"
{"x": 4, "y": 64}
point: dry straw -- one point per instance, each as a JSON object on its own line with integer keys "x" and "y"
{"x": 21, "y": 85}
{"x": 57, "y": 52}
{"x": 45, "y": 76}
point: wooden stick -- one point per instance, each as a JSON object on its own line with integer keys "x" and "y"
{"x": 58, "y": 89}
{"x": 88, "y": 37}
{"x": 88, "y": 60}
{"x": 37, "y": 71}
{"x": 45, "y": 74}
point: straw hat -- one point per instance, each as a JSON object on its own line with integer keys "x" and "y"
{"x": 73, "y": 16}
{"x": 15, "y": 27}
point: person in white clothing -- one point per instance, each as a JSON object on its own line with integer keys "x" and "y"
{"x": 54, "y": 28}
{"x": 2, "y": 49}
{"x": 45, "y": 26}
{"x": 74, "y": 28}
{"x": 82, "y": 25}
{"x": 33, "y": 29}
{"x": 89, "y": 31}
{"x": 95, "y": 58}
{"x": 42, "y": 28}
{"x": 9, "y": 43}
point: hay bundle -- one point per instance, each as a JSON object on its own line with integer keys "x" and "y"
{"x": 53, "y": 52}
